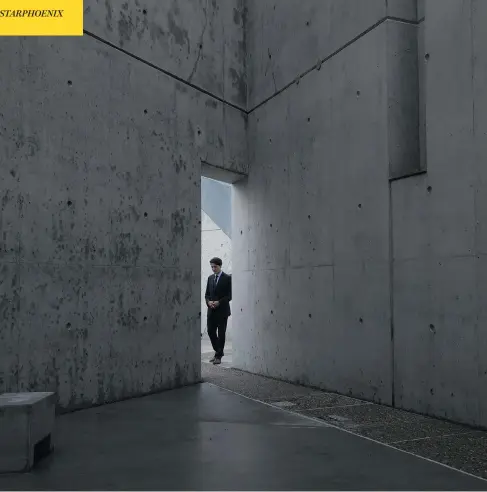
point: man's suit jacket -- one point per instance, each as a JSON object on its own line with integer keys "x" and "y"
{"x": 222, "y": 293}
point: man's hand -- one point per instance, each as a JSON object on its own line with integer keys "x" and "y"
{"x": 216, "y": 303}
{"x": 211, "y": 304}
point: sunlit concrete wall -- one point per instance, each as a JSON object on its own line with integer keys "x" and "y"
{"x": 359, "y": 236}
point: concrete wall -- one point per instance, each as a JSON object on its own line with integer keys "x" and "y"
{"x": 439, "y": 227}
{"x": 359, "y": 243}
{"x": 357, "y": 239}
{"x": 100, "y": 198}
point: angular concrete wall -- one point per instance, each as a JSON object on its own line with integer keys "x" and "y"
{"x": 439, "y": 224}
{"x": 100, "y": 212}
{"x": 357, "y": 237}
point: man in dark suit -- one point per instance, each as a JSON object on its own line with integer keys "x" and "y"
{"x": 218, "y": 296}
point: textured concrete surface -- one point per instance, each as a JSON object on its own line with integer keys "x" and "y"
{"x": 199, "y": 41}
{"x": 100, "y": 201}
{"x": 228, "y": 443}
{"x": 358, "y": 239}
{"x": 285, "y": 40}
{"x": 453, "y": 445}
{"x": 438, "y": 223}
{"x": 345, "y": 260}
{"x": 312, "y": 296}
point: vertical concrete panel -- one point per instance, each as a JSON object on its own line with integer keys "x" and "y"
{"x": 310, "y": 345}
{"x": 269, "y": 182}
{"x": 270, "y": 321}
{"x": 196, "y": 40}
{"x": 310, "y": 171}
{"x": 403, "y": 9}
{"x": 481, "y": 282}
{"x": 10, "y": 292}
{"x": 235, "y": 157}
{"x": 436, "y": 318}
{"x": 105, "y": 188}
{"x": 362, "y": 336}
{"x": 479, "y": 15}
{"x": 240, "y": 226}
{"x": 245, "y": 336}
{"x": 403, "y": 99}
{"x": 234, "y": 41}
{"x": 329, "y": 134}
{"x": 448, "y": 43}
{"x": 412, "y": 206}
{"x": 285, "y": 41}
{"x": 360, "y": 167}
{"x": 435, "y": 280}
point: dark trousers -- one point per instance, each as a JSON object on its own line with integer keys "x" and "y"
{"x": 217, "y": 328}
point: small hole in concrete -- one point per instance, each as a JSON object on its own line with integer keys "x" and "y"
{"x": 359, "y": 205}
{"x": 309, "y": 119}
{"x": 427, "y": 56}
{"x": 145, "y": 214}
{"x": 309, "y": 216}
{"x": 271, "y": 225}
{"x": 432, "y": 327}
{"x": 145, "y": 111}
{"x": 307, "y": 23}
{"x": 145, "y": 318}
{"x": 144, "y": 11}
{"x": 70, "y": 203}
{"x": 241, "y": 232}
{"x": 200, "y": 46}
{"x": 432, "y": 391}
{"x": 70, "y": 82}
{"x": 429, "y": 189}
{"x": 358, "y": 93}
{"x": 361, "y": 320}
{"x": 309, "y": 315}
{"x": 199, "y": 132}
{"x": 272, "y": 312}
{"x": 68, "y": 325}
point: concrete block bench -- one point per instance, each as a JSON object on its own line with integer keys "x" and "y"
{"x": 26, "y": 428}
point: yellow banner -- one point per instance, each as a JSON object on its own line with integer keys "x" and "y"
{"x": 41, "y": 17}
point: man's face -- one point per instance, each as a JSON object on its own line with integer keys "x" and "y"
{"x": 215, "y": 268}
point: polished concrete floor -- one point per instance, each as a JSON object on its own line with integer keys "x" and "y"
{"x": 204, "y": 437}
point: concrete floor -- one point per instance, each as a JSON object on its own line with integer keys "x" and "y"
{"x": 206, "y": 438}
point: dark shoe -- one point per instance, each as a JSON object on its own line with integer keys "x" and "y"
{"x": 217, "y": 361}
{"x": 213, "y": 358}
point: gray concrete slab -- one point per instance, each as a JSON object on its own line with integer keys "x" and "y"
{"x": 206, "y": 438}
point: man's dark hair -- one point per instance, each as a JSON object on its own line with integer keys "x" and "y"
{"x": 216, "y": 261}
